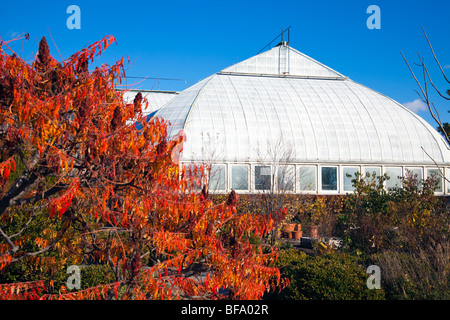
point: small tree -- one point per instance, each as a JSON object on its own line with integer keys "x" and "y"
{"x": 105, "y": 192}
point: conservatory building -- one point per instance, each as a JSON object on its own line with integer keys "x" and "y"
{"x": 282, "y": 121}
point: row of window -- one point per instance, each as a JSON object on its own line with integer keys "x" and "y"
{"x": 310, "y": 178}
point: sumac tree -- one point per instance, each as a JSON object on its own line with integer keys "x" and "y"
{"x": 106, "y": 192}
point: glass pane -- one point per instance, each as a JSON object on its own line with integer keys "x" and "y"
{"x": 307, "y": 176}
{"x": 239, "y": 177}
{"x": 286, "y": 178}
{"x": 194, "y": 173}
{"x": 263, "y": 177}
{"x": 448, "y": 178}
{"x": 372, "y": 170}
{"x": 217, "y": 177}
{"x": 436, "y": 173}
{"x": 394, "y": 180}
{"x": 416, "y": 172}
{"x": 349, "y": 175}
{"x": 329, "y": 178}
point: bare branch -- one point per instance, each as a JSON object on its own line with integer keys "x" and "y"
{"x": 14, "y": 248}
{"x": 437, "y": 166}
{"x": 424, "y": 96}
{"x": 50, "y": 246}
{"x": 434, "y": 56}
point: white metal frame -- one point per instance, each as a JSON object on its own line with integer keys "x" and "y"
{"x": 442, "y": 179}
{"x": 424, "y": 169}
{"x": 319, "y": 180}
{"x": 343, "y": 191}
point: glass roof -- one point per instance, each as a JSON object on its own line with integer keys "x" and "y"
{"x": 156, "y": 99}
{"x": 283, "y": 60}
{"x": 264, "y": 107}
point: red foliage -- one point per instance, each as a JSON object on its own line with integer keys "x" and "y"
{"x": 120, "y": 185}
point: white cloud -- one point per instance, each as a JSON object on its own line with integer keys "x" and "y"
{"x": 12, "y": 34}
{"x": 416, "y": 105}
{"x": 447, "y": 66}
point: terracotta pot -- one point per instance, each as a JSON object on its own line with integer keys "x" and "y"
{"x": 313, "y": 231}
{"x": 289, "y": 235}
{"x": 298, "y": 227}
{"x": 288, "y": 227}
{"x": 297, "y": 235}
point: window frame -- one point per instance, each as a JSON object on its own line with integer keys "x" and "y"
{"x": 299, "y": 179}
{"x": 373, "y": 167}
{"x": 401, "y": 175}
{"x": 225, "y": 177}
{"x": 442, "y": 179}
{"x": 422, "y": 173}
{"x": 277, "y": 177}
{"x": 325, "y": 191}
{"x": 255, "y": 179}
{"x": 343, "y": 177}
{"x": 249, "y": 170}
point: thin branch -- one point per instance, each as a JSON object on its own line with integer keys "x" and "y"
{"x": 424, "y": 96}
{"x": 432, "y": 83}
{"x": 50, "y": 246}
{"x": 25, "y": 226}
{"x": 437, "y": 166}
{"x": 62, "y": 60}
{"x": 434, "y": 55}
{"x": 414, "y": 76}
{"x": 14, "y": 248}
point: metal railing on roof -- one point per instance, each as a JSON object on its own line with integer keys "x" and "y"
{"x": 278, "y": 36}
{"x": 158, "y": 79}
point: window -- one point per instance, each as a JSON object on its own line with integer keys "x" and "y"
{"x": 239, "y": 177}
{"x": 416, "y": 173}
{"x": 195, "y": 174}
{"x": 448, "y": 178}
{"x": 373, "y": 170}
{"x": 263, "y": 177}
{"x": 286, "y": 178}
{"x": 349, "y": 175}
{"x": 217, "y": 177}
{"x": 437, "y": 174}
{"x": 329, "y": 178}
{"x": 394, "y": 180}
{"x": 307, "y": 175}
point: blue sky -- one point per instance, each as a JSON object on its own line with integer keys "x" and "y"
{"x": 191, "y": 40}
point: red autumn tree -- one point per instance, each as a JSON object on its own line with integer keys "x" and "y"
{"x": 109, "y": 193}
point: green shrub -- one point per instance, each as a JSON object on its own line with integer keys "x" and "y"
{"x": 94, "y": 275}
{"x": 328, "y": 277}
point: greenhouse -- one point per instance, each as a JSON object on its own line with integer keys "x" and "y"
{"x": 282, "y": 121}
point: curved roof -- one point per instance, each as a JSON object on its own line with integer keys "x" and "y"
{"x": 284, "y": 100}
{"x": 156, "y": 98}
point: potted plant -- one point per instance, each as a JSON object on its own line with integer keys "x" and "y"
{"x": 288, "y": 228}
{"x": 318, "y": 210}
{"x": 297, "y": 234}
{"x": 313, "y": 231}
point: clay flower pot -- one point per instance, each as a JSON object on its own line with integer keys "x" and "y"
{"x": 313, "y": 231}
{"x": 288, "y": 227}
{"x": 298, "y": 227}
{"x": 297, "y": 235}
